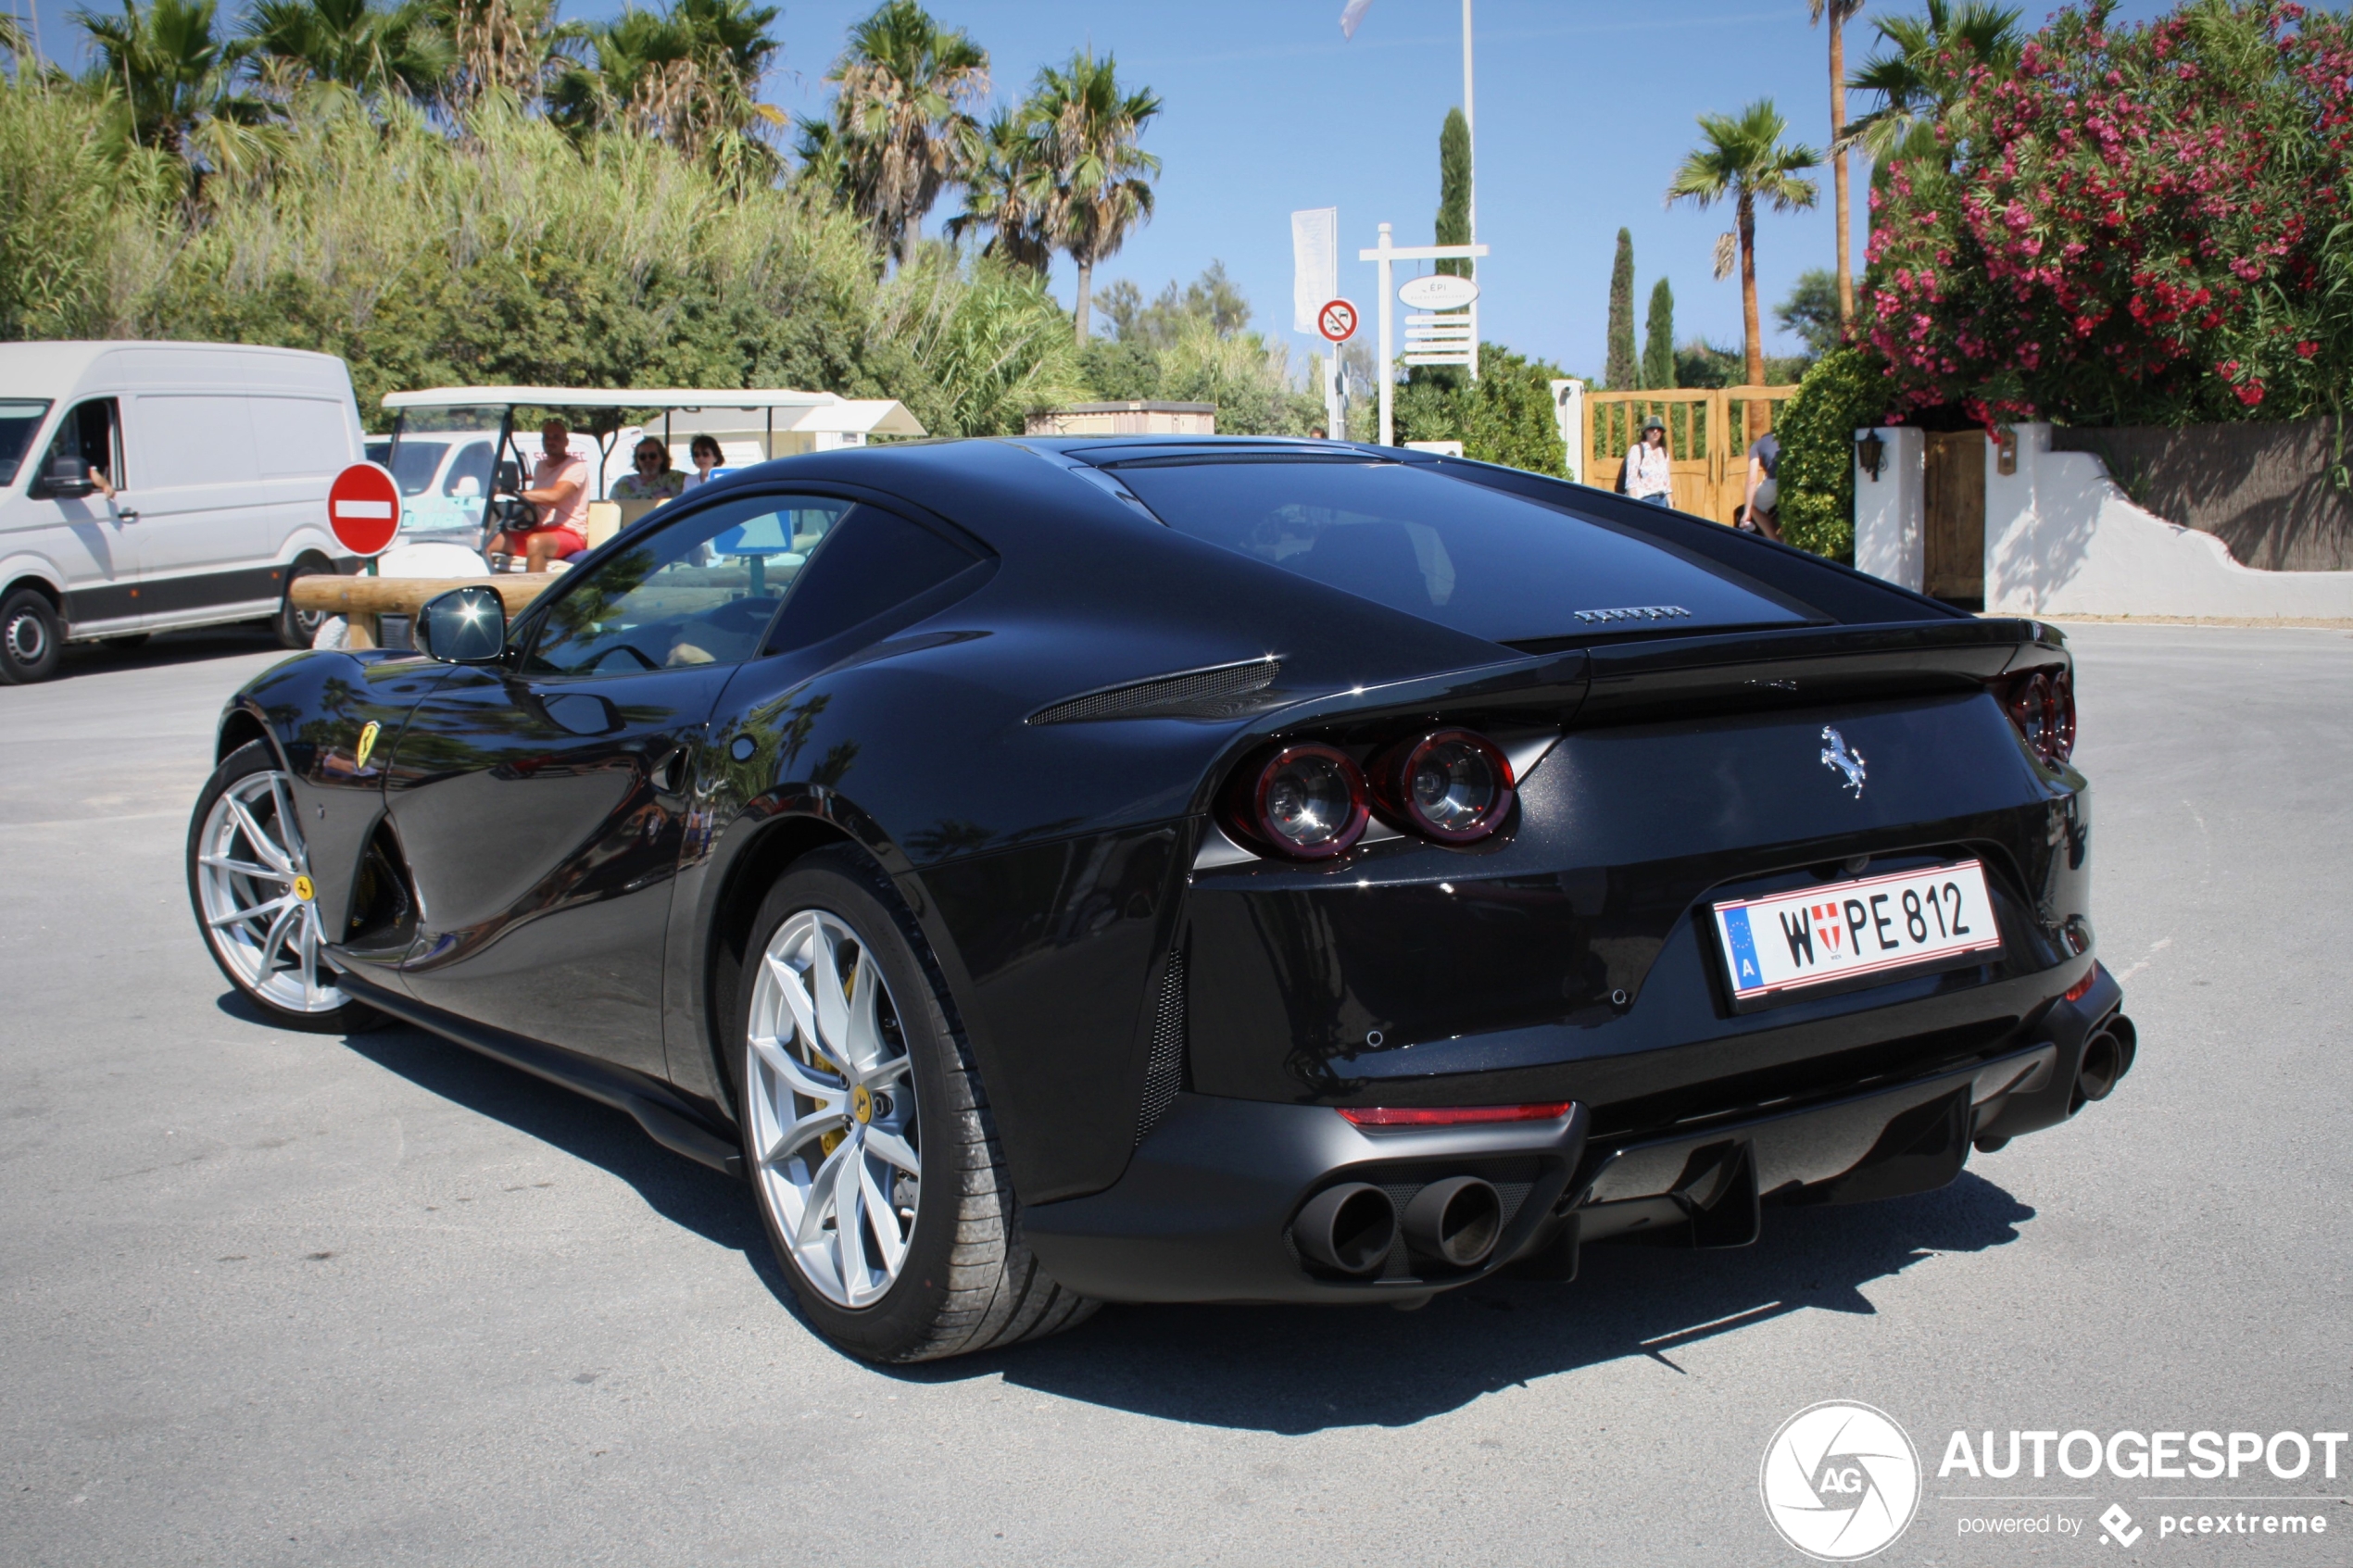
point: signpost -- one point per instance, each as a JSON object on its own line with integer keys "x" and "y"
{"x": 364, "y": 507}
{"x": 1448, "y": 340}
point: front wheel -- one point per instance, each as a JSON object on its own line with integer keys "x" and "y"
{"x": 249, "y": 878}
{"x": 871, "y": 1149}
{"x": 29, "y": 637}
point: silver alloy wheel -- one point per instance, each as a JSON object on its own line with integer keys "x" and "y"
{"x": 833, "y": 1109}
{"x": 261, "y": 909}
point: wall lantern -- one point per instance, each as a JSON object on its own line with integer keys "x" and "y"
{"x": 1871, "y": 451}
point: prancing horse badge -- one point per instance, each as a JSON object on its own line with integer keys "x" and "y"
{"x": 1836, "y": 757}
{"x": 367, "y": 745}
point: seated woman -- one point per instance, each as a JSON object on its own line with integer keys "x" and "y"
{"x": 704, "y": 450}
{"x": 653, "y": 478}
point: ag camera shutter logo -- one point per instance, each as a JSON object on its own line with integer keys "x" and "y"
{"x": 1841, "y": 1481}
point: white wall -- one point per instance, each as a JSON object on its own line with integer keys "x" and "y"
{"x": 1889, "y": 534}
{"x": 2062, "y": 538}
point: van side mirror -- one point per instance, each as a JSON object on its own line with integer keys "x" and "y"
{"x": 463, "y": 626}
{"x": 510, "y": 475}
{"x": 68, "y": 476}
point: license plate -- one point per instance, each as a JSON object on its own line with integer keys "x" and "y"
{"x": 1873, "y": 925}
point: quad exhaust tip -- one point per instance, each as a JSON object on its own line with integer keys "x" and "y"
{"x": 1456, "y": 1220}
{"x": 1348, "y": 1228}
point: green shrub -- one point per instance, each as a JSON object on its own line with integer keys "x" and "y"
{"x": 1506, "y": 417}
{"x": 1847, "y": 390}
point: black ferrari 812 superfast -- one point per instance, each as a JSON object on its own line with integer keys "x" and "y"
{"x": 1053, "y": 871}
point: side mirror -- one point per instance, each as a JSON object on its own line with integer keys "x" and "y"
{"x": 467, "y": 488}
{"x": 510, "y": 475}
{"x": 69, "y": 476}
{"x": 463, "y": 626}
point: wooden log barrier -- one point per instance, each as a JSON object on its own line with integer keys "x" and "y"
{"x": 361, "y": 600}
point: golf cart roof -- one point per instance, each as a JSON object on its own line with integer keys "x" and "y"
{"x": 608, "y": 397}
{"x": 703, "y": 408}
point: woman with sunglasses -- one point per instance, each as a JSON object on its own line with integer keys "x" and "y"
{"x": 654, "y": 479}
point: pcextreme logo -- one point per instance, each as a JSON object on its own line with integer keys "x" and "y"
{"x": 1840, "y": 1481}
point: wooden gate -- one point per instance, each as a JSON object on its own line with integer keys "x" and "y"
{"x": 1707, "y": 439}
{"x": 1953, "y": 503}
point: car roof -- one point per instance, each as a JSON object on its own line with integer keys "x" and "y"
{"x": 1096, "y": 450}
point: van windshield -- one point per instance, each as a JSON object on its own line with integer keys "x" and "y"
{"x": 20, "y": 422}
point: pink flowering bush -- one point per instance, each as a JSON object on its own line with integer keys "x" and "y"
{"x": 2142, "y": 225}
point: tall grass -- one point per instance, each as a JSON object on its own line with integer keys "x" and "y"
{"x": 505, "y": 253}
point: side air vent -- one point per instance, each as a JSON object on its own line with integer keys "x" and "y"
{"x": 1165, "y": 1072}
{"x": 1223, "y": 691}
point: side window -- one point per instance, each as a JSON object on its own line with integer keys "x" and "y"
{"x": 91, "y": 431}
{"x": 412, "y": 466}
{"x": 700, "y": 589}
{"x": 880, "y": 560}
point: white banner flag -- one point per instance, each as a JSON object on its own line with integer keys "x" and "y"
{"x": 1315, "y": 264}
{"x": 1351, "y": 15}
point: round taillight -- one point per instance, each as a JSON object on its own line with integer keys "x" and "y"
{"x": 2030, "y": 711}
{"x": 1308, "y": 802}
{"x": 2062, "y": 716}
{"x": 1452, "y": 786}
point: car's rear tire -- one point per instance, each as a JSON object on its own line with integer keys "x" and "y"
{"x": 299, "y": 628}
{"x": 249, "y": 881}
{"x": 942, "y": 1269}
{"x": 31, "y": 637}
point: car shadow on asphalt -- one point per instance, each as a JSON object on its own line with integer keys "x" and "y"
{"x": 1297, "y": 1370}
{"x": 168, "y": 647}
{"x": 695, "y": 1197}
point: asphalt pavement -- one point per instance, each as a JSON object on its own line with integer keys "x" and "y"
{"x": 271, "y": 1298}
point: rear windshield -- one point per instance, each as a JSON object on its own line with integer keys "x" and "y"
{"x": 19, "y": 421}
{"x": 1461, "y": 555}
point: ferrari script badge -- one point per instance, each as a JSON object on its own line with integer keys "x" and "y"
{"x": 367, "y": 745}
{"x": 1838, "y": 758}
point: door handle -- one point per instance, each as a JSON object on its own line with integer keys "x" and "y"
{"x": 126, "y": 514}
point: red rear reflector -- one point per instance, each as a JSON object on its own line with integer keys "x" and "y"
{"x": 2082, "y": 987}
{"x": 1451, "y": 1115}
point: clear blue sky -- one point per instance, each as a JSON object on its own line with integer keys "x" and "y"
{"x": 1584, "y": 109}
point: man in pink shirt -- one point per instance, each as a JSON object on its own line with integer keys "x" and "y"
{"x": 560, "y": 489}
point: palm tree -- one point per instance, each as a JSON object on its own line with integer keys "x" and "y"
{"x": 1743, "y": 159}
{"x": 1101, "y": 179}
{"x": 368, "y": 46}
{"x": 1841, "y": 13}
{"x": 513, "y": 46}
{"x": 1008, "y": 194}
{"x": 689, "y": 74}
{"x": 1925, "y": 72}
{"x": 179, "y": 84}
{"x": 900, "y": 128}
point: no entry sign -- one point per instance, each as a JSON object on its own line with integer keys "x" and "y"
{"x": 1337, "y": 320}
{"x": 364, "y": 507}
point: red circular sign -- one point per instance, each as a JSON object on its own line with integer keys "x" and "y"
{"x": 1337, "y": 320}
{"x": 364, "y": 507}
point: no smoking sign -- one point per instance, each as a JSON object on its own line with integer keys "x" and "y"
{"x": 1337, "y": 320}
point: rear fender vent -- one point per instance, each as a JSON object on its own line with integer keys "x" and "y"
{"x": 1222, "y": 691}
{"x": 1164, "y": 1072}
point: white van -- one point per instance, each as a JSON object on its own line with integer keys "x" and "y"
{"x": 150, "y": 486}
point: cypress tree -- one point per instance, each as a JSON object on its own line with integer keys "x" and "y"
{"x": 1454, "y": 188}
{"x": 1623, "y": 372}
{"x": 1659, "y": 338}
